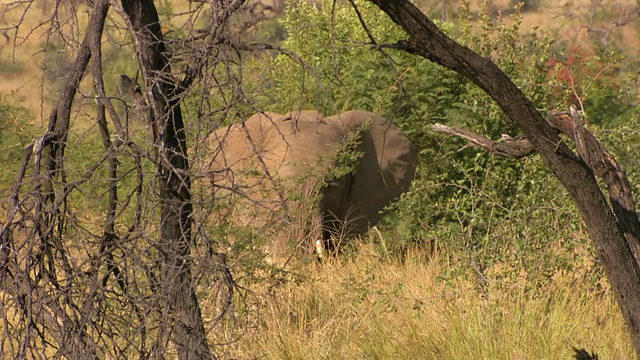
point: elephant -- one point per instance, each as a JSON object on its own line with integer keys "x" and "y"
{"x": 311, "y": 178}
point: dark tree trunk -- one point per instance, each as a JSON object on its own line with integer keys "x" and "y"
{"x": 182, "y": 322}
{"x": 614, "y": 249}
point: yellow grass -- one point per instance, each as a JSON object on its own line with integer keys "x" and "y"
{"x": 370, "y": 307}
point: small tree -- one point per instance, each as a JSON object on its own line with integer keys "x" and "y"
{"x": 120, "y": 285}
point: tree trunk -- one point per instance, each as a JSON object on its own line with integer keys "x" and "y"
{"x": 614, "y": 250}
{"x": 182, "y": 321}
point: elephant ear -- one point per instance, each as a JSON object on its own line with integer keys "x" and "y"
{"x": 383, "y": 172}
{"x": 394, "y": 154}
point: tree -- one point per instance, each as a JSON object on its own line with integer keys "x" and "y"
{"x": 79, "y": 289}
{"x": 614, "y": 229}
{"x": 180, "y": 303}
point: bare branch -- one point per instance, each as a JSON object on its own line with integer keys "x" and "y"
{"x": 514, "y": 148}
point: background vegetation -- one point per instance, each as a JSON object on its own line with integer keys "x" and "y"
{"x": 483, "y": 258}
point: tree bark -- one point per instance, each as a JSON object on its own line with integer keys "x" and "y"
{"x": 614, "y": 249}
{"x": 182, "y": 321}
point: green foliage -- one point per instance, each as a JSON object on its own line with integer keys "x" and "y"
{"x": 270, "y": 31}
{"x": 506, "y": 225}
{"x": 623, "y": 141}
{"x": 15, "y": 134}
{"x": 600, "y": 84}
{"x": 9, "y": 67}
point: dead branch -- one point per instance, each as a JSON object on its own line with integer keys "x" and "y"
{"x": 514, "y": 148}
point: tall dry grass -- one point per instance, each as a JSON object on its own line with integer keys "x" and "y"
{"x": 370, "y": 306}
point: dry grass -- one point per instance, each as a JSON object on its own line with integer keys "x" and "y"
{"x": 21, "y": 58}
{"x": 369, "y": 307}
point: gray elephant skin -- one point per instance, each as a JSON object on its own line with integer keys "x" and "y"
{"x": 284, "y": 175}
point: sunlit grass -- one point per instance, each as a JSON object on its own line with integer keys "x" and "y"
{"x": 371, "y": 307}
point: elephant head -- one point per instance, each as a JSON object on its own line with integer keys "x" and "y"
{"x": 289, "y": 173}
{"x": 384, "y": 169}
